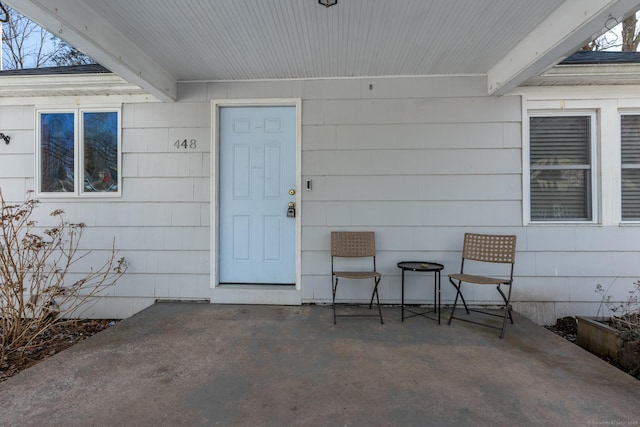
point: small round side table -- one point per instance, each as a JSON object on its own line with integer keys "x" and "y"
{"x": 423, "y": 266}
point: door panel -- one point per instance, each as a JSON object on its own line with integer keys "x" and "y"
{"x": 257, "y": 169}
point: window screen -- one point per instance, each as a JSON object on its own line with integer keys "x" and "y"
{"x": 630, "y": 132}
{"x": 560, "y": 165}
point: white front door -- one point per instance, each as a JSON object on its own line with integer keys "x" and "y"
{"x": 257, "y": 175}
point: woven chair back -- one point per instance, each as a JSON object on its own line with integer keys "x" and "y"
{"x": 489, "y": 248}
{"x": 353, "y": 243}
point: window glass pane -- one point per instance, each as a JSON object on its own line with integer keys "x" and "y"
{"x": 560, "y": 195}
{"x": 631, "y": 194}
{"x": 560, "y": 156}
{"x": 630, "y": 139}
{"x": 630, "y": 154}
{"x": 560, "y": 140}
{"x": 101, "y": 173}
{"x": 56, "y": 152}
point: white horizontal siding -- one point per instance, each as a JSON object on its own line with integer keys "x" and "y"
{"x": 13, "y": 118}
{"x": 169, "y": 165}
{"x": 150, "y": 238}
{"x": 145, "y": 140}
{"x": 419, "y": 161}
{"x": 421, "y": 136}
{"x": 165, "y": 193}
{"x": 166, "y": 115}
{"x": 165, "y": 189}
{"x": 411, "y": 162}
{"x": 15, "y": 188}
{"x": 420, "y": 169}
{"x": 417, "y": 187}
{"x": 423, "y": 87}
{"x": 415, "y": 110}
{"x": 21, "y": 140}
{"x": 264, "y": 89}
{"x": 157, "y": 224}
{"x": 379, "y": 213}
{"x": 16, "y": 165}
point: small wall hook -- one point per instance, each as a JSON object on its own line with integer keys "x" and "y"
{"x": 6, "y": 138}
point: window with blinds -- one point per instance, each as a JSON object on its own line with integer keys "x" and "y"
{"x": 630, "y": 156}
{"x": 560, "y": 166}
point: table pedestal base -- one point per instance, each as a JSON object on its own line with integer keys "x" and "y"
{"x": 423, "y": 267}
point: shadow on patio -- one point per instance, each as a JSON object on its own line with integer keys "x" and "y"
{"x": 200, "y": 364}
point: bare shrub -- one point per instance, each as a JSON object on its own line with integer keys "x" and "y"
{"x": 38, "y": 286}
{"x": 624, "y": 315}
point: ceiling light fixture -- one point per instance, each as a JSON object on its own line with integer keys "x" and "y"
{"x": 328, "y": 3}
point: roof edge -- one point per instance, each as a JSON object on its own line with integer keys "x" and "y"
{"x": 62, "y": 70}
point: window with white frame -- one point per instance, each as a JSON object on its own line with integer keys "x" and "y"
{"x": 630, "y": 172}
{"x": 561, "y": 167}
{"x": 78, "y": 152}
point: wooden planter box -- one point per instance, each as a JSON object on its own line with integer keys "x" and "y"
{"x": 598, "y": 337}
{"x": 602, "y": 340}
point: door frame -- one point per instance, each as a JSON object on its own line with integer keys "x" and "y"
{"x": 216, "y": 104}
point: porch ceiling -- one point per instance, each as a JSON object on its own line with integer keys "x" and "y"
{"x": 158, "y": 43}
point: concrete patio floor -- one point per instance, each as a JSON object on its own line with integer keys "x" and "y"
{"x": 199, "y": 364}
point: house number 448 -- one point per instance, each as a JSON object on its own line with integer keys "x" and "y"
{"x": 186, "y": 144}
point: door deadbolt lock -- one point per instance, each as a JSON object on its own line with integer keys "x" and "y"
{"x": 292, "y": 192}
{"x": 291, "y": 211}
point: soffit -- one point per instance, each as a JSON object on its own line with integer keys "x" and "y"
{"x": 258, "y": 39}
{"x": 157, "y": 43}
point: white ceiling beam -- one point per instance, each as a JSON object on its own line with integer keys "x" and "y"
{"x": 572, "y": 25}
{"x": 77, "y": 24}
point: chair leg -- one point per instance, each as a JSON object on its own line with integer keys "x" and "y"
{"x": 507, "y": 305}
{"x": 453, "y": 309}
{"x": 455, "y": 302}
{"x": 334, "y": 288}
{"x": 507, "y": 310}
{"x": 464, "y": 302}
{"x": 375, "y": 292}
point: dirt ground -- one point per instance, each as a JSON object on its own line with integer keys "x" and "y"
{"x": 566, "y": 327}
{"x": 58, "y": 338}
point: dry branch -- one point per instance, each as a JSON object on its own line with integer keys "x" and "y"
{"x": 36, "y": 265}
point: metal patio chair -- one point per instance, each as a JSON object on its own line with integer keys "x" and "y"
{"x": 354, "y": 244}
{"x": 483, "y": 249}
